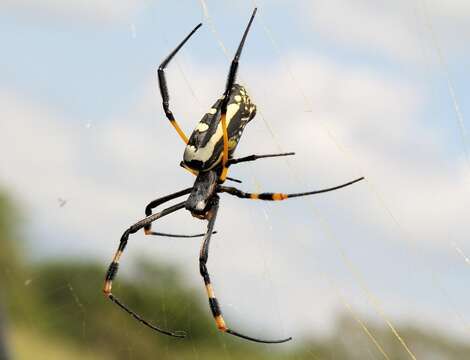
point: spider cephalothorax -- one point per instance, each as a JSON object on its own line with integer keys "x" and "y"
{"x": 204, "y": 188}
{"x": 208, "y": 155}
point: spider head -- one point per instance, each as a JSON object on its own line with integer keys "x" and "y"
{"x": 204, "y": 189}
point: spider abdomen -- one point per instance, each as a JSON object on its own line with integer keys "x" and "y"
{"x": 204, "y": 149}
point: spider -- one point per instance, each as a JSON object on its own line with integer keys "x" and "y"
{"x": 208, "y": 155}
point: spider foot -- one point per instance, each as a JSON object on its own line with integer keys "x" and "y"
{"x": 279, "y": 341}
{"x": 150, "y": 232}
{"x": 177, "y": 334}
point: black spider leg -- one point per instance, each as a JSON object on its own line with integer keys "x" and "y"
{"x": 256, "y": 157}
{"x": 113, "y": 268}
{"x": 157, "y": 202}
{"x": 234, "y": 66}
{"x": 279, "y": 196}
{"x": 213, "y": 303}
{"x": 233, "y": 179}
{"x": 232, "y": 74}
{"x": 164, "y": 88}
{"x": 252, "y": 158}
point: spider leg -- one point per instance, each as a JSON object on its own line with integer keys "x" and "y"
{"x": 113, "y": 267}
{"x": 228, "y": 88}
{"x": 252, "y": 158}
{"x": 256, "y": 157}
{"x": 157, "y": 233}
{"x": 213, "y": 303}
{"x": 164, "y": 88}
{"x": 279, "y": 196}
{"x": 233, "y": 179}
{"x": 159, "y": 201}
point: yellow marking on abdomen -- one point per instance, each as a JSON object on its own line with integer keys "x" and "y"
{"x": 232, "y": 144}
{"x": 201, "y": 127}
{"x": 254, "y": 196}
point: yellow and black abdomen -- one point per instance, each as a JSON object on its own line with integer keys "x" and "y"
{"x": 204, "y": 149}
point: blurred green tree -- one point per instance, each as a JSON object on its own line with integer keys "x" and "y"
{"x": 63, "y": 314}
{"x": 10, "y": 242}
{"x": 9, "y": 263}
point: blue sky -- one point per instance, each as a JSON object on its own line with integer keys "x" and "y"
{"x": 355, "y": 88}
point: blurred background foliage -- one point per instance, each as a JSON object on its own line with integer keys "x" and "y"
{"x": 55, "y": 310}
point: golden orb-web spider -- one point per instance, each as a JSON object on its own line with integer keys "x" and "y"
{"x": 208, "y": 155}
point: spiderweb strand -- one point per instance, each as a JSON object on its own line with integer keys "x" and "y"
{"x": 363, "y": 326}
{"x": 461, "y": 253}
{"x": 450, "y": 85}
{"x": 355, "y": 272}
{"x": 284, "y": 63}
{"x": 213, "y": 28}
{"x": 371, "y": 186}
{"x": 457, "y": 314}
{"x": 80, "y": 306}
{"x": 214, "y": 31}
{"x": 372, "y": 299}
{"x": 344, "y": 150}
{"x": 427, "y": 24}
{"x": 222, "y": 341}
{"x": 378, "y": 196}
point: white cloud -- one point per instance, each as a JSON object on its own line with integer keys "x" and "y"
{"x": 110, "y": 171}
{"x": 95, "y": 11}
{"x": 396, "y": 29}
{"x": 376, "y": 121}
